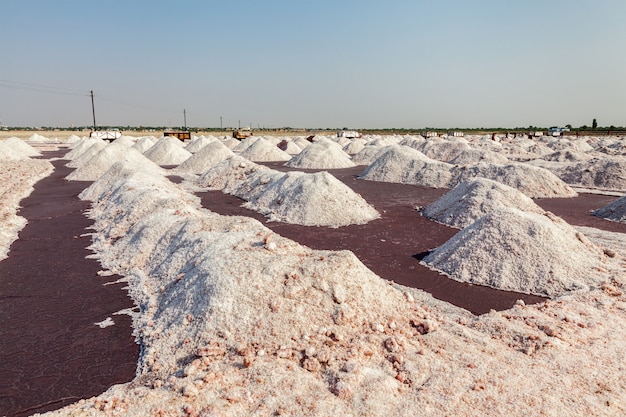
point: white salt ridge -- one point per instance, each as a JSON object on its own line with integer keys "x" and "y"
{"x": 167, "y": 151}
{"x": 401, "y": 164}
{"x": 307, "y": 199}
{"x": 513, "y": 250}
{"x": 321, "y": 156}
{"x": 614, "y": 211}
{"x": 533, "y": 181}
{"x": 312, "y": 200}
{"x": 18, "y": 148}
{"x": 98, "y": 164}
{"x": 262, "y": 151}
{"x": 473, "y": 199}
{"x": 205, "y": 158}
{"x": 606, "y": 173}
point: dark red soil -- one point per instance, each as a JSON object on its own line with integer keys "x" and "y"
{"x": 51, "y": 352}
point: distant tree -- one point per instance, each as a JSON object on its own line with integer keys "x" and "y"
{"x": 568, "y": 126}
{"x": 594, "y": 124}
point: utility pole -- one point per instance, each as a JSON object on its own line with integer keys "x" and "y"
{"x": 221, "y": 128}
{"x": 185, "y": 118}
{"x": 93, "y": 111}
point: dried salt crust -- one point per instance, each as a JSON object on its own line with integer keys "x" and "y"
{"x": 236, "y": 320}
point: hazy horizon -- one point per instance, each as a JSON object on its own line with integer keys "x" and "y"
{"x": 367, "y": 65}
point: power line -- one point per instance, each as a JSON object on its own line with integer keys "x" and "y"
{"x": 42, "y": 88}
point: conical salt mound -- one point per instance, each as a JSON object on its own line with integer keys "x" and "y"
{"x": 475, "y": 198}
{"x": 312, "y": 200}
{"x": 84, "y": 156}
{"x": 369, "y": 154}
{"x": 198, "y": 143}
{"x": 19, "y": 148}
{"x": 144, "y": 143}
{"x": 533, "y": 181}
{"x": 475, "y": 156}
{"x": 125, "y": 140}
{"x": 606, "y": 173}
{"x": 81, "y": 146}
{"x": 99, "y": 163}
{"x": 167, "y": 151}
{"x": 401, "y": 164}
{"x": 207, "y": 157}
{"x": 519, "y": 251}
{"x": 354, "y": 146}
{"x": 263, "y": 150}
{"x": 245, "y": 143}
{"x": 320, "y": 156}
{"x": 615, "y": 211}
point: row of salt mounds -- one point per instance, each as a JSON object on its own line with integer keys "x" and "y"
{"x": 513, "y": 250}
{"x": 606, "y": 173}
{"x": 533, "y": 181}
{"x": 207, "y": 157}
{"x": 228, "y": 284}
{"x": 614, "y": 211}
{"x": 321, "y": 155}
{"x": 15, "y": 149}
{"x": 317, "y": 199}
{"x": 167, "y": 151}
{"x": 401, "y": 164}
{"x": 92, "y": 168}
{"x": 307, "y": 199}
{"x": 475, "y": 198}
{"x": 263, "y": 150}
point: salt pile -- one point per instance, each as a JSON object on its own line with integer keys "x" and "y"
{"x": 230, "y": 142}
{"x": 473, "y": 199}
{"x": 244, "y": 144}
{"x": 312, "y": 200}
{"x": 308, "y": 199}
{"x": 289, "y": 146}
{"x": 533, "y": 181}
{"x": 401, "y": 164}
{"x": 606, "y": 173}
{"x": 78, "y": 156}
{"x": 144, "y": 143}
{"x": 263, "y": 150}
{"x": 205, "y": 158}
{"x": 301, "y": 142}
{"x": 368, "y": 154}
{"x": 12, "y": 150}
{"x": 167, "y": 151}
{"x": 475, "y": 156}
{"x": 127, "y": 141}
{"x": 92, "y": 168}
{"x": 442, "y": 150}
{"x": 513, "y": 250}
{"x": 566, "y": 156}
{"x": 198, "y": 143}
{"x": 614, "y": 211}
{"x": 353, "y": 147}
{"x": 321, "y": 156}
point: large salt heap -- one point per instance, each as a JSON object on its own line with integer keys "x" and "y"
{"x": 614, "y": 211}
{"x": 605, "y": 173}
{"x": 263, "y": 150}
{"x": 401, "y": 164}
{"x": 513, "y": 250}
{"x": 92, "y": 168}
{"x": 473, "y": 199}
{"x": 533, "y": 181}
{"x": 321, "y": 155}
{"x": 84, "y": 151}
{"x": 205, "y": 158}
{"x": 475, "y": 156}
{"x": 312, "y": 200}
{"x": 18, "y": 148}
{"x": 198, "y": 143}
{"x": 167, "y": 151}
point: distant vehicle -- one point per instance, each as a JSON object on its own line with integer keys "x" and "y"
{"x": 350, "y": 134}
{"x": 242, "y": 133}
{"x": 109, "y": 135}
{"x": 557, "y": 131}
{"x": 181, "y": 134}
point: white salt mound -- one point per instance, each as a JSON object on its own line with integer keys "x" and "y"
{"x": 144, "y": 143}
{"x": 475, "y": 156}
{"x": 321, "y": 156}
{"x": 125, "y": 140}
{"x": 401, "y": 164}
{"x": 368, "y": 154}
{"x": 99, "y": 163}
{"x": 19, "y": 147}
{"x": 354, "y": 146}
{"x": 207, "y": 157}
{"x": 263, "y": 150}
{"x": 533, "y": 181}
{"x": 606, "y": 173}
{"x": 244, "y": 143}
{"x": 167, "y": 151}
{"x": 513, "y": 250}
{"x": 80, "y": 158}
{"x": 442, "y": 149}
{"x": 473, "y": 199}
{"x": 317, "y": 199}
{"x": 614, "y": 211}
{"x": 198, "y": 143}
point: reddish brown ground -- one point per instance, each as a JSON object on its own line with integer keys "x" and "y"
{"x": 51, "y": 353}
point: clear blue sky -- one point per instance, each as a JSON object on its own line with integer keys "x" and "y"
{"x": 328, "y": 64}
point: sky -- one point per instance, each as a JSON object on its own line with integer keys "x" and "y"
{"x": 313, "y": 64}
